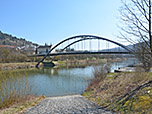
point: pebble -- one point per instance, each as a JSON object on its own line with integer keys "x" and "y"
{"x": 74, "y": 104}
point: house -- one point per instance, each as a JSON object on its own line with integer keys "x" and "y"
{"x": 7, "y": 46}
{"x": 44, "y": 49}
{"x": 28, "y": 49}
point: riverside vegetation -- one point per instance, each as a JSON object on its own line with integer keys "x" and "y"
{"x": 15, "y": 92}
{"x": 129, "y": 93}
{"x": 16, "y": 89}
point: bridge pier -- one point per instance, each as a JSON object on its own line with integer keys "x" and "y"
{"x": 48, "y": 64}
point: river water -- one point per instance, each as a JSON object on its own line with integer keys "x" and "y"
{"x": 66, "y": 81}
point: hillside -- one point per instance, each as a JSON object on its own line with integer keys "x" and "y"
{"x": 120, "y": 49}
{"x": 13, "y": 49}
{"x": 6, "y": 39}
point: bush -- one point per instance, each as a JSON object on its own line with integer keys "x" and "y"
{"x": 13, "y": 88}
{"x": 100, "y": 73}
{"x": 11, "y": 55}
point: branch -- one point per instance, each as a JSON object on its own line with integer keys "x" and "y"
{"x": 128, "y": 20}
{"x": 128, "y": 9}
{"x": 140, "y": 8}
{"x": 145, "y": 3}
{"x": 127, "y": 38}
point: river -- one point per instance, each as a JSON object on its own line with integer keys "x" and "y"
{"x": 66, "y": 81}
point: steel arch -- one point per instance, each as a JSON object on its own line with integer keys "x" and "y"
{"x": 83, "y": 37}
{"x": 91, "y": 39}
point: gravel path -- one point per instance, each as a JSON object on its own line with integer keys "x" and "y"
{"x": 75, "y": 104}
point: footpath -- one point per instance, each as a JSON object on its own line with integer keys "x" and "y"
{"x": 74, "y": 104}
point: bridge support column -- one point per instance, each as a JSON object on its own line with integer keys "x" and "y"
{"x": 48, "y": 64}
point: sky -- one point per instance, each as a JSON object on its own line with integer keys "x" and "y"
{"x": 50, "y": 21}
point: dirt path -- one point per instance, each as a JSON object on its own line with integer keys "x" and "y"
{"x": 75, "y": 104}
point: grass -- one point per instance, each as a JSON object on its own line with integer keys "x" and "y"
{"x": 10, "y": 66}
{"x": 102, "y": 60}
{"x": 140, "y": 103}
{"x": 106, "y": 90}
{"x": 78, "y": 62}
{"x": 21, "y": 107}
{"x": 6, "y": 64}
{"x": 61, "y": 62}
{"x": 14, "y": 88}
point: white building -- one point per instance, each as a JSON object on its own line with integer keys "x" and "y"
{"x": 44, "y": 49}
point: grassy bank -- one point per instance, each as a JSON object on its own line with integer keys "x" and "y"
{"x": 15, "y": 90}
{"x": 22, "y": 65}
{"x": 14, "y": 87}
{"x": 78, "y": 63}
{"x": 22, "y": 106}
{"x": 124, "y": 93}
{"x": 59, "y": 63}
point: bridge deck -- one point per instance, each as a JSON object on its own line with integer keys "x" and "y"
{"x": 81, "y": 52}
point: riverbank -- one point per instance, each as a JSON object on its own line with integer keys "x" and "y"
{"x": 22, "y": 106}
{"x": 58, "y": 64}
{"x": 15, "y": 91}
{"x": 14, "y": 66}
{"x": 77, "y": 63}
{"x": 50, "y": 72}
{"x": 84, "y": 63}
{"x": 122, "y": 92}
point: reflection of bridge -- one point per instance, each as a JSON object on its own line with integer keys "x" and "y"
{"x": 85, "y": 44}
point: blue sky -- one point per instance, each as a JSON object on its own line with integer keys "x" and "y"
{"x": 50, "y": 21}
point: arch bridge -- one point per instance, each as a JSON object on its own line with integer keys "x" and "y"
{"x": 85, "y": 44}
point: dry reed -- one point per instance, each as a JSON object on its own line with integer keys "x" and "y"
{"x": 14, "y": 87}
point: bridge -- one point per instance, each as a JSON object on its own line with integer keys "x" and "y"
{"x": 85, "y": 44}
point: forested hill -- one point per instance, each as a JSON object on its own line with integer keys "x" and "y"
{"x": 6, "y": 39}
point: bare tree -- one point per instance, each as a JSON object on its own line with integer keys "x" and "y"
{"x": 136, "y": 28}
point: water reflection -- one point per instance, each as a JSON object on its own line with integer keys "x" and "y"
{"x": 58, "y": 82}
{"x": 125, "y": 63}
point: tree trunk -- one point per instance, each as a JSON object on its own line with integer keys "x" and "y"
{"x": 150, "y": 26}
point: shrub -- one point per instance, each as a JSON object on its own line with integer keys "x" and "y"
{"x": 13, "y": 88}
